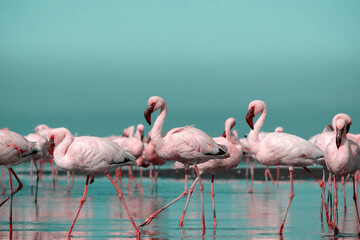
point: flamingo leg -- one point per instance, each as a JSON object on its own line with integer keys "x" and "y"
{"x": 37, "y": 182}
{"x": 18, "y": 188}
{"x": 120, "y": 194}
{"x": 68, "y": 180}
{"x": 152, "y": 216}
{"x": 266, "y": 179}
{"x": 329, "y": 199}
{"x": 322, "y": 186}
{"x": 335, "y": 200}
{"x": 191, "y": 189}
{"x": 252, "y": 176}
{"x": 212, "y": 193}
{"x": 291, "y": 196}
{"x": 355, "y": 201}
{"x": 31, "y": 176}
{"x": 131, "y": 176}
{"x": 343, "y": 182}
{"x": 11, "y": 203}
{"x": 83, "y": 200}
{"x": 247, "y": 170}
{"x": 277, "y": 176}
{"x": 53, "y": 172}
{"x": 202, "y": 199}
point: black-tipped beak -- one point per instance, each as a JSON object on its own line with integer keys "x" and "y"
{"x": 51, "y": 146}
{"x": 249, "y": 118}
{"x": 339, "y": 133}
{"x": 347, "y": 129}
{"x": 142, "y": 136}
{"x": 147, "y": 114}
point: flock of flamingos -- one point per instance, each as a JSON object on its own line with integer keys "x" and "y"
{"x": 335, "y": 149}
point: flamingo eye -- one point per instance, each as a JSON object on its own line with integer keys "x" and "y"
{"x": 153, "y": 104}
{"x": 253, "y": 107}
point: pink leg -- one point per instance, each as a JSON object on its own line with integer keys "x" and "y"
{"x": 212, "y": 193}
{"x": 191, "y": 189}
{"x": 11, "y": 203}
{"x": 68, "y": 178}
{"x": 330, "y": 203}
{"x": 150, "y": 171}
{"x": 18, "y": 188}
{"x": 83, "y": 199}
{"x": 277, "y": 175}
{"x": 247, "y": 170}
{"x": 271, "y": 177}
{"x": 42, "y": 168}
{"x": 355, "y": 200}
{"x": 343, "y": 190}
{"x": 124, "y": 203}
{"x": 335, "y": 201}
{"x": 266, "y": 179}
{"x": 291, "y": 196}
{"x": 202, "y": 199}
{"x": 252, "y": 176}
{"x": 31, "y": 176}
{"x": 322, "y": 187}
{"x": 152, "y": 216}
{"x": 53, "y": 172}
{"x": 131, "y": 176}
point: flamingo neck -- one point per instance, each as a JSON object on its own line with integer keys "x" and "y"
{"x": 61, "y": 150}
{"x": 156, "y": 131}
{"x": 253, "y": 136}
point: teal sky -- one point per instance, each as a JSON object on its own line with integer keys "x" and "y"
{"x": 91, "y": 65}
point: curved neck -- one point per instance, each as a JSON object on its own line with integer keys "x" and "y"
{"x": 156, "y": 131}
{"x": 63, "y": 146}
{"x": 254, "y": 134}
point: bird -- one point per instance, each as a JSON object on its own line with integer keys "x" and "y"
{"x": 154, "y": 159}
{"x": 41, "y": 143}
{"x": 133, "y": 144}
{"x": 277, "y": 148}
{"x": 188, "y": 145}
{"x": 342, "y": 156}
{"x": 235, "y": 152}
{"x": 14, "y": 150}
{"x": 91, "y": 156}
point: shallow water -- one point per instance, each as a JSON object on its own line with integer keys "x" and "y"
{"x": 239, "y": 214}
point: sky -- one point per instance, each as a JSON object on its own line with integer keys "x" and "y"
{"x": 91, "y": 65}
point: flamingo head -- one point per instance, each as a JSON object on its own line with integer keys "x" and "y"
{"x": 154, "y": 103}
{"x": 345, "y": 117}
{"x": 41, "y": 127}
{"x": 340, "y": 127}
{"x": 255, "y": 107}
{"x": 57, "y": 135}
{"x": 229, "y": 124}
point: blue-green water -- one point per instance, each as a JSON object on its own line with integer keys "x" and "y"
{"x": 240, "y": 215}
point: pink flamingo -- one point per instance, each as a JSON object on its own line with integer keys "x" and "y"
{"x": 235, "y": 152}
{"x": 188, "y": 145}
{"x": 342, "y": 157}
{"x": 278, "y": 129}
{"x": 280, "y": 149}
{"x": 154, "y": 159}
{"x": 133, "y": 143}
{"x": 40, "y": 143}
{"x": 14, "y": 150}
{"x": 91, "y": 156}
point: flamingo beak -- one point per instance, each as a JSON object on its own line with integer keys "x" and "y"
{"x": 347, "y": 129}
{"x": 142, "y": 136}
{"x": 224, "y": 135}
{"x": 51, "y": 146}
{"x": 147, "y": 114}
{"x": 339, "y": 133}
{"x": 249, "y": 118}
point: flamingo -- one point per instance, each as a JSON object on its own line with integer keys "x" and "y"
{"x": 188, "y": 145}
{"x": 41, "y": 143}
{"x": 342, "y": 157}
{"x": 133, "y": 143}
{"x": 323, "y": 139}
{"x": 91, "y": 156}
{"x": 277, "y": 148}
{"x": 14, "y": 150}
{"x": 235, "y": 152}
{"x": 154, "y": 159}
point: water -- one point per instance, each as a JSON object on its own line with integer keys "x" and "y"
{"x": 239, "y": 214}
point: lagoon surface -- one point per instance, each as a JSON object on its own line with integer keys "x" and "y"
{"x": 240, "y": 215}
